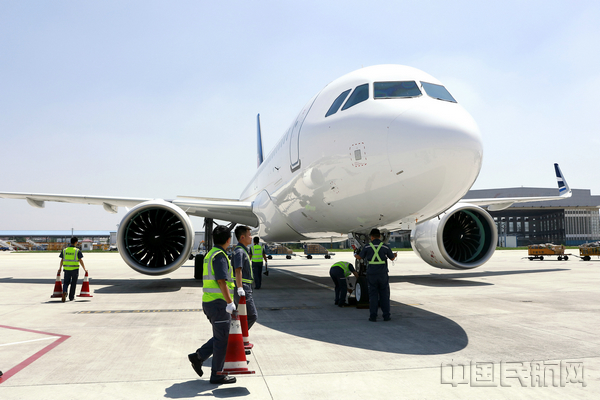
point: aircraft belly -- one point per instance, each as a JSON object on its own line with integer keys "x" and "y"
{"x": 273, "y": 226}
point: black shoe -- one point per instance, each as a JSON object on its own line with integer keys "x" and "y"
{"x": 337, "y": 303}
{"x": 196, "y": 363}
{"x": 224, "y": 380}
{"x": 372, "y": 319}
{"x": 387, "y": 319}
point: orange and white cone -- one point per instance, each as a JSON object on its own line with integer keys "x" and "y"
{"x": 85, "y": 288}
{"x": 235, "y": 358}
{"x": 57, "y": 287}
{"x": 244, "y": 322}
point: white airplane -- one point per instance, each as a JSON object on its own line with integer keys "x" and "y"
{"x": 383, "y": 147}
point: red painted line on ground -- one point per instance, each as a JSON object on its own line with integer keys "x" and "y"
{"x": 16, "y": 369}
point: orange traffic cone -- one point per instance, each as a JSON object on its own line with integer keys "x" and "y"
{"x": 235, "y": 358}
{"x": 57, "y": 287}
{"x": 244, "y": 322}
{"x": 85, "y": 288}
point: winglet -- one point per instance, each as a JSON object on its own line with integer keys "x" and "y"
{"x": 259, "y": 142}
{"x": 563, "y": 187}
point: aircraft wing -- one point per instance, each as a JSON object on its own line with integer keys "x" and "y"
{"x": 223, "y": 209}
{"x": 501, "y": 203}
{"x": 110, "y": 204}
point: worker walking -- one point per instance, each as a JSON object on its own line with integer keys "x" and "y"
{"x": 70, "y": 260}
{"x": 258, "y": 255}
{"x": 243, "y": 272}
{"x": 217, "y": 305}
{"x": 376, "y": 254}
{"x": 338, "y": 273}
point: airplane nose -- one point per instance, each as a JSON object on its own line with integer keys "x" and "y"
{"x": 438, "y": 140}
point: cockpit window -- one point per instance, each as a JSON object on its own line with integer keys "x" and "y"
{"x": 394, "y": 90}
{"x": 337, "y": 103}
{"x": 360, "y": 94}
{"x": 437, "y": 92}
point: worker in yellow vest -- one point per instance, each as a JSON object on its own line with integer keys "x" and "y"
{"x": 338, "y": 273}
{"x": 243, "y": 272}
{"x": 70, "y": 260}
{"x": 258, "y": 255}
{"x": 217, "y": 304}
{"x": 376, "y": 254}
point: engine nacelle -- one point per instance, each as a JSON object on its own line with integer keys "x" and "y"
{"x": 155, "y": 237}
{"x": 463, "y": 237}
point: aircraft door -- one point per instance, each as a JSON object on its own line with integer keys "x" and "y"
{"x": 295, "y": 136}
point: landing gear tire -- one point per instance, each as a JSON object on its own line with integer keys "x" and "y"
{"x": 560, "y": 258}
{"x": 309, "y": 257}
{"x": 541, "y": 258}
{"x": 198, "y": 266}
{"x": 328, "y": 256}
{"x": 565, "y": 258}
{"x": 362, "y": 292}
{"x": 269, "y": 257}
{"x": 288, "y": 257}
{"x": 587, "y": 258}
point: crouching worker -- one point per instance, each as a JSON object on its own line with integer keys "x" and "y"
{"x": 339, "y": 272}
{"x": 217, "y": 305}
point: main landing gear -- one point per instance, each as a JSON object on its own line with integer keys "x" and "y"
{"x": 361, "y": 291}
{"x": 209, "y": 225}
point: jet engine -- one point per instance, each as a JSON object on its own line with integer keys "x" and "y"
{"x": 463, "y": 237}
{"x": 155, "y": 237}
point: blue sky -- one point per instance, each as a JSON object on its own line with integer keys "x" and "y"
{"x": 159, "y": 99}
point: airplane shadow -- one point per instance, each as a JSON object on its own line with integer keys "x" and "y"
{"x": 121, "y": 286}
{"x": 458, "y": 279}
{"x": 201, "y": 388}
{"x": 412, "y": 330}
{"x": 292, "y": 304}
{"x": 310, "y": 313}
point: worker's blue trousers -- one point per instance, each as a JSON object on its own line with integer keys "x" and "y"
{"x": 217, "y": 344}
{"x": 379, "y": 294}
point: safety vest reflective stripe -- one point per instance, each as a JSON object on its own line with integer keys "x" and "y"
{"x": 71, "y": 258}
{"x": 376, "y": 258}
{"x": 249, "y": 281}
{"x": 257, "y": 253}
{"x": 343, "y": 265}
{"x": 210, "y": 286}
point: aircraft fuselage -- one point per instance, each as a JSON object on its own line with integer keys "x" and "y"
{"x": 397, "y": 157}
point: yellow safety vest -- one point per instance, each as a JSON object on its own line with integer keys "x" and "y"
{"x": 376, "y": 260}
{"x": 210, "y": 286}
{"x": 257, "y": 253}
{"x": 71, "y": 258}
{"x": 343, "y": 265}
{"x": 248, "y": 281}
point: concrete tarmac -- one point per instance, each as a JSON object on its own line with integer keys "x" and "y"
{"x": 510, "y": 329}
